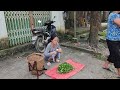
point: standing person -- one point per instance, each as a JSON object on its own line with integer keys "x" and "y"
{"x": 113, "y": 41}
{"x": 53, "y": 50}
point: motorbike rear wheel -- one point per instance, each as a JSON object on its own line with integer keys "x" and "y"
{"x": 40, "y": 44}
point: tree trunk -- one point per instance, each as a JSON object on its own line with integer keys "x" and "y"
{"x": 70, "y": 20}
{"x": 95, "y": 25}
{"x": 86, "y": 15}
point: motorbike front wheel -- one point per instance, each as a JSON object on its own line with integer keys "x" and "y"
{"x": 40, "y": 44}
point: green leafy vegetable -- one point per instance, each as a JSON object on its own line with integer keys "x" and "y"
{"x": 65, "y": 68}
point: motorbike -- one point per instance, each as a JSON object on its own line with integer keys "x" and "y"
{"x": 41, "y": 36}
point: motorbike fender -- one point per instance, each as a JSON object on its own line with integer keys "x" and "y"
{"x": 34, "y": 38}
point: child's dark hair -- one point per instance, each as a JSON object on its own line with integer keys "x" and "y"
{"x": 53, "y": 36}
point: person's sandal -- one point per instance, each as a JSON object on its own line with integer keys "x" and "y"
{"x": 107, "y": 69}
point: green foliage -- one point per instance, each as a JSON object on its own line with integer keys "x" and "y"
{"x": 63, "y": 36}
{"x": 65, "y": 68}
{"x": 68, "y": 37}
{"x": 102, "y": 35}
{"x": 100, "y": 56}
{"x": 60, "y": 35}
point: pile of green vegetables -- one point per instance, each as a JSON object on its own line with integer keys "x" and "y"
{"x": 65, "y": 68}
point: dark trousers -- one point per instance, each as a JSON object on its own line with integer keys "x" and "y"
{"x": 114, "y": 49}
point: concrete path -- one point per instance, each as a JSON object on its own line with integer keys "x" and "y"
{"x": 16, "y": 67}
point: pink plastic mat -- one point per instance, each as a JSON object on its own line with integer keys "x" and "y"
{"x": 55, "y": 75}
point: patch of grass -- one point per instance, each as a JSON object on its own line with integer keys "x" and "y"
{"x": 82, "y": 31}
{"x": 102, "y": 35}
{"x": 100, "y": 56}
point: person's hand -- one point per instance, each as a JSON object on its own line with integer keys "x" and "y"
{"x": 59, "y": 50}
{"x": 54, "y": 52}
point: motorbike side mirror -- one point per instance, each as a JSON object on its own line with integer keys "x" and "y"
{"x": 39, "y": 21}
{"x": 54, "y": 17}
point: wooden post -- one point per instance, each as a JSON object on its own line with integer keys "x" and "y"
{"x": 75, "y": 24}
{"x": 31, "y": 20}
{"x": 75, "y": 37}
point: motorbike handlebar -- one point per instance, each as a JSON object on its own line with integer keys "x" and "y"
{"x": 48, "y": 23}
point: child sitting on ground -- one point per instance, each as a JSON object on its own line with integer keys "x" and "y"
{"x": 53, "y": 50}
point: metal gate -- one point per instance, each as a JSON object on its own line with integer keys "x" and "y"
{"x": 18, "y": 25}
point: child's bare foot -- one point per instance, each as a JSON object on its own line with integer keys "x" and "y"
{"x": 53, "y": 60}
{"x": 57, "y": 60}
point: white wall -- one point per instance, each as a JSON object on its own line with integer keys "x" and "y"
{"x": 59, "y": 20}
{"x": 3, "y": 30}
